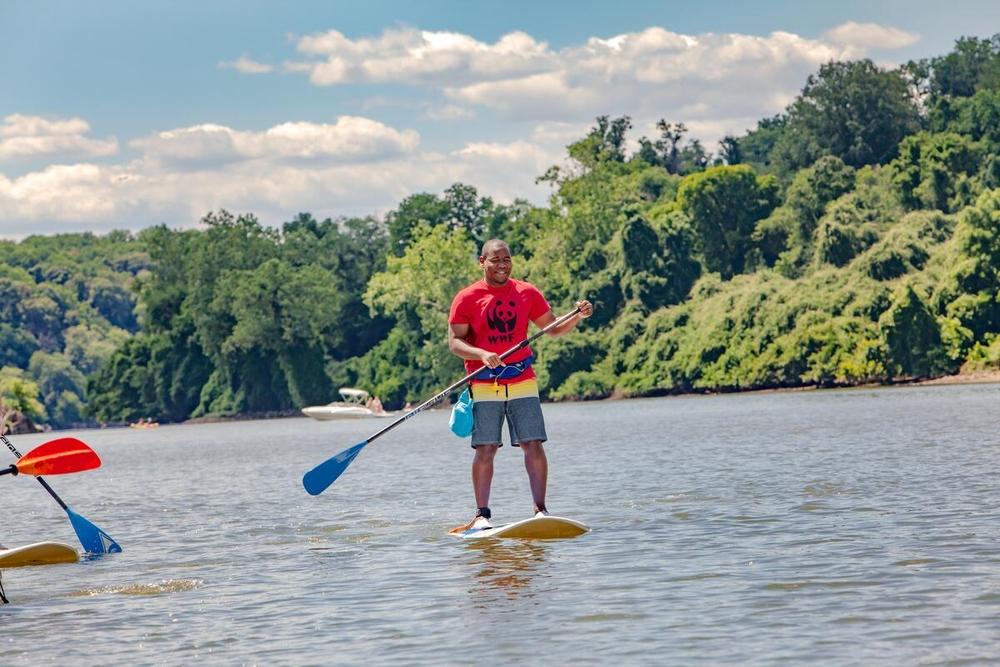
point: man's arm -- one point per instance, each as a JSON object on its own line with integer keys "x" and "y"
{"x": 586, "y": 310}
{"x": 459, "y": 346}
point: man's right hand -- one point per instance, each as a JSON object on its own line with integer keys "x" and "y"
{"x": 490, "y": 359}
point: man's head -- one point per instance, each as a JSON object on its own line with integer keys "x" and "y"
{"x": 496, "y": 262}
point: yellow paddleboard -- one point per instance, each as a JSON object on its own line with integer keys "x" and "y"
{"x": 535, "y": 528}
{"x": 41, "y": 553}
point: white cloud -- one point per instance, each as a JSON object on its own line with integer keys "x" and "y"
{"x": 659, "y": 73}
{"x": 75, "y": 192}
{"x": 518, "y": 152}
{"x": 25, "y": 137}
{"x": 245, "y": 65}
{"x": 417, "y": 57}
{"x": 350, "y": 139}
{"x": 865, "y": 36}
{"x": 715, "y": 83}
{"x": 649, "y": 73}
{"x": 148, "y": 191}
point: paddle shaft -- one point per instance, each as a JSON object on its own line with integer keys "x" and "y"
{"x": 435, "y": 399}
{"x": 41, "y": 481}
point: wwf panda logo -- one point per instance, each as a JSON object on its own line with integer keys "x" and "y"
{"x": 501, "y": 316}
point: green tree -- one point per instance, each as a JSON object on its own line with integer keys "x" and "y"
{"x": 16, "y": 346}
{"x": 604, "y": 143}
{"x": 125, "y": 388}
{"x": 460, "y": 207}
{"x": 666, "y": 151}
{"x": 971, "y": 64}
{"x": 159, "y": 375}
{"x": 912, "y": 336}
{"x": 724, "y": 204}
{"x": 20, "y": 394}
{"x": 936, "y": 171}
{"x": 421, "y": 207}
{"x": 115, "y": 302}
{"x": 730, "y": 151}
{"x": 417, "y": 289}
{"x": 424, "y": 280}
{"x": 756, "y": 147}
{"x": 352, "y": 249}
{"x": 814, "y": 188}
{"x": 970, "y": 291}
{"x": 62, "y": 386}
{"x": 89, "y": 345}
{"x": 656, "y": 260}
{"x": 793, "y": 226}
{"x": 284, "y": 319}
{"x": 852, "y": 110}
{"x": 977, "y": 117}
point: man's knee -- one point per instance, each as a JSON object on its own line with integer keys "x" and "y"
{"x": 532, "y": 447}
{"x": 485, "y": 453}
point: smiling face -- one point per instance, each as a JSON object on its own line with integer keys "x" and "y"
{"x": 496, "y": 263}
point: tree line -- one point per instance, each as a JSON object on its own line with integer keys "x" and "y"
{"x": 853, "y": 238}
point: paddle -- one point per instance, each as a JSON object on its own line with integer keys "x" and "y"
{"x": 93, "y": 539}
{"x": 326, "y": 473}
{"x": 56, "y": 457}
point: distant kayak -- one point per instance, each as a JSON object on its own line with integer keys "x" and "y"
{"x": 535, "y": 528}
{"x": 40, "y": 553}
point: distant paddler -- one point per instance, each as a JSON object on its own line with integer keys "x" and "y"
{"x": 486, "y": 319}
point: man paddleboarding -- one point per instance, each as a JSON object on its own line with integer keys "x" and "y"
{"x": 487, "y": 318}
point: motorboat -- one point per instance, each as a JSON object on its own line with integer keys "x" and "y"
{"x": 351, "y": 406}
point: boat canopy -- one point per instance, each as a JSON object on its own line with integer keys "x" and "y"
{"x": 354, "y": 395}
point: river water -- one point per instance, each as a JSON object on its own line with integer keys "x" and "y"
{"x": 841, "y": 527}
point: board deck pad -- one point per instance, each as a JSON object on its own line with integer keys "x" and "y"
{"x": 41, "y": 553}
{"x": 535, "y": 528}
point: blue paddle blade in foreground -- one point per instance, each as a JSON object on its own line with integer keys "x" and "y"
{"x": 326, "y": 473}
{"x": 93, "y": 539}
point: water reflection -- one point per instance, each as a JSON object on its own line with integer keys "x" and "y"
{"x": 505, "y": 567}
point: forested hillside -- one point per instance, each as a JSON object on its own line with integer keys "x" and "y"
{"x": 66, "y": 304}
{"x": 853, "y": 238}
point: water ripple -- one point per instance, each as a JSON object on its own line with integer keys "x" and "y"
{"x": 841, "y": 527}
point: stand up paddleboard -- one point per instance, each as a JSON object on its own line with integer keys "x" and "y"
{"x": 535, "y": 528}
{"x": 41, "y": 553}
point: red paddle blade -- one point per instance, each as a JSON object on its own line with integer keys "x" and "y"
{"x": 58, "y": 457}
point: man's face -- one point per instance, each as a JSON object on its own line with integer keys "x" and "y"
{"x": 496, "y": 265}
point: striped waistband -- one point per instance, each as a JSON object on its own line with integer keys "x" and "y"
{"x": 487, "y": 391}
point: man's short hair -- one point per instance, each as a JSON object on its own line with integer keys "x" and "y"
{"x": 492, "y": 243}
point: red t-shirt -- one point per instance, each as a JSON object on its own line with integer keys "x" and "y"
{"x": 498, "y": 319}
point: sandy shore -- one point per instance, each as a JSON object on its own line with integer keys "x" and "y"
{"x": 971, "y": 377}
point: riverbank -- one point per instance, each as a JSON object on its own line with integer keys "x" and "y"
{"x": 970, "y": 377}
{"x": 966, "y": 377}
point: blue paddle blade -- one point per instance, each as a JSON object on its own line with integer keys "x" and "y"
{"x": 93, "y": 539}
{"x": 326, "y": 473}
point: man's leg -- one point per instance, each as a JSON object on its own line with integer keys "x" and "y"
{"x": 482, "y": 473}
{"x": 538, "y": 470}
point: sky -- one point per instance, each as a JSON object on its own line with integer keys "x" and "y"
{"x": 123, "y": 115}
